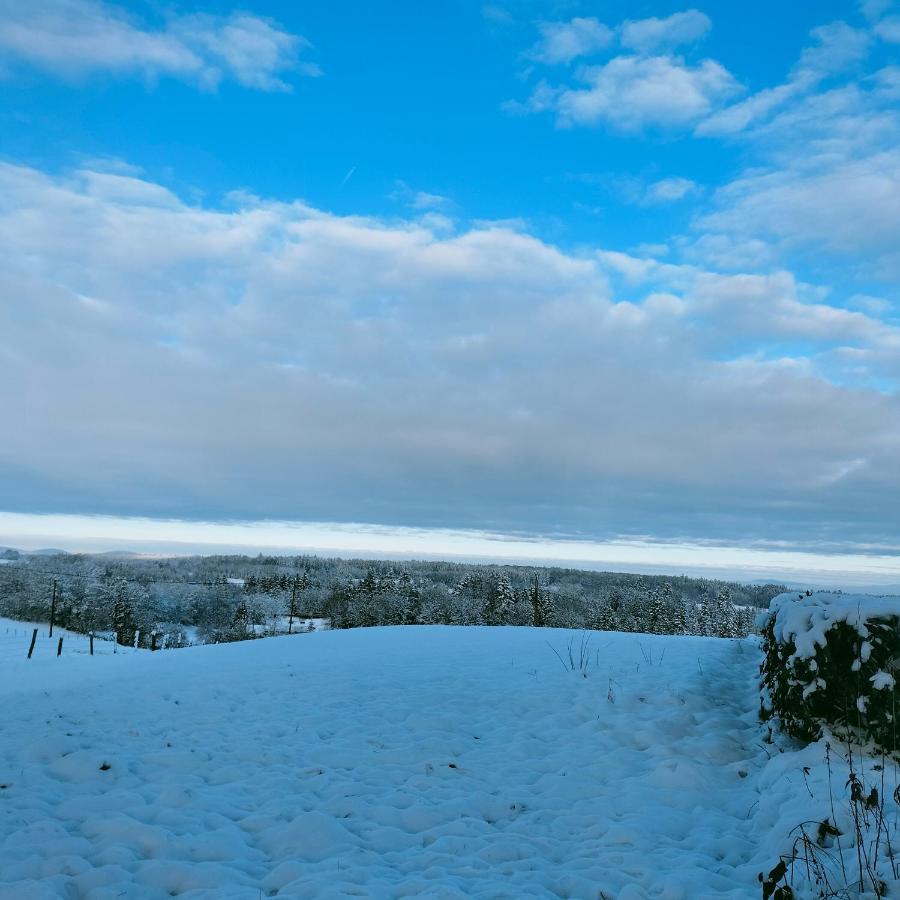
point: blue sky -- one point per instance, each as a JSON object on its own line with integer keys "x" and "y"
{"x": 569, "y": 269}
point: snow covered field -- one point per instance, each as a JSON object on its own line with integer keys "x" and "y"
{"x": 390, "y": 762}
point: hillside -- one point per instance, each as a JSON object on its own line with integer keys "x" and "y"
{"x": 388, "y": 762}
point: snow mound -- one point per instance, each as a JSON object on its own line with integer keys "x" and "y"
{"x": 806, "y": 620}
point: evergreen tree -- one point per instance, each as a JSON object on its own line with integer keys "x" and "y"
{"x": 679, "y": 618}
{"x": 745, "y": 622}
{"x": 114, "y": 597}
{"x": 658, "y": 618}
{"x": 501, "y": 601}
{"x": 241, "y": 620}
{"x": 605, "y": 618}
{"x": 541, "y": 607}
{"x": 723, "y": 619}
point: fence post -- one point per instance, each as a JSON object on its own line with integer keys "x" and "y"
{"x": 52, "y": 608}
{"x": 59, "y": 648}
{"x": 33, "y": 639}
{"x": 293, "y": 605}
{"x": 91, "y": 636}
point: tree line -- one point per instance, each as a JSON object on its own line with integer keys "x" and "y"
{"x": 185, "y": 600}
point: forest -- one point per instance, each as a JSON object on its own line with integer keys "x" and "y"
{"x": 177, "y": 601}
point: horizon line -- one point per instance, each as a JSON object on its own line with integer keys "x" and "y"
{"x": 176, "y": 537}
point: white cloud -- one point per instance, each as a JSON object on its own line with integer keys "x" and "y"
{"x": 270, "y": 359}
{"x": 822, "y": 182}
{"x": 652, "y": 87}
{"x": 729, "y": 252}
{"x": 668, "y": 190}
{"x": 889, "y": 29}
{"x": 77, "y": 37}
{"x": 649, "y": 35}
{"x": 888, "y": 81}
{"x": 837, "y": 47}
{"x": 423, "y": 200}
{"x": 561, "y": 42}
{"x": 497, "y": 15}
{"x": 633, "y": 92}
{"x": 874, "y": 306}
{"x": 874, "y": 9}
{"x": 850, "y": 209}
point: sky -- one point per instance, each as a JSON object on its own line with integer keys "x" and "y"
{"x": 563, "y": 271}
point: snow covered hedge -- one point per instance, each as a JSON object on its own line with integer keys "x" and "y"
{"x": 833, "y": 659}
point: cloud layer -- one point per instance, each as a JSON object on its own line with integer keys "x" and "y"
{"x": 735, "y": 376}
{"x": 265, "y": 359}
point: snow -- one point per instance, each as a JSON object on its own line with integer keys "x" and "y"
{"x": 806, "y": 620}
{"x": 392, "y": 762}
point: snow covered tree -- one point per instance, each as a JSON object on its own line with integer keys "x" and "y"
{"x": 123, "y": 621}
{"x": 723, "y": 622}
{"x": 680, "y": 618}
{"x": 541, "y": 607}
{"x": 114, "y": 596}
{"x": 299, "y": 584}
{"x": 408, "y": 599}
{"x": 500, "y": 601}
{"x": 745, "y": 621}
{"x": 241, "y": 620}
{"x": 366, "y": 605}
{"x": 659, "y": 620}
{"x": 605, "y": 618}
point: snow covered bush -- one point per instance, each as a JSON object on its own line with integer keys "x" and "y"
{"x": 832, "y": 659}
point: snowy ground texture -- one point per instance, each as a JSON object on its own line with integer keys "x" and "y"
{"x": 392, "y": 762}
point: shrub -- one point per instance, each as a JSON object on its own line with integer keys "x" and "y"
{"x": 832, "y": 659}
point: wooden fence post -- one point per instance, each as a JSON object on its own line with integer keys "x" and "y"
{"x": 91, "y": 636}
{"x": 33, "y": 639}
{"x": 52, "y": 608}
{"x": 59, "y": 648}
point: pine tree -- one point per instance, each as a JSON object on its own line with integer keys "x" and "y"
{"x": 680, "y": 618}
{"x": 658, "y": 619}
{"x": 723, "y": 615}
{"x": 241, "y": 620}
{"x": 745, "y": 622}
{"x": 501, "y": 601}
{"x": 123, "y": 621}
{"x": 605, "y": 618}
{"x": 541, "y": 607}
{"x": 704, "y": 619}
{"x": 116, "y": 593}
{"x": 409, "y": 597}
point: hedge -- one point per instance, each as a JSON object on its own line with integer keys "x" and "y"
{"x": 832, "y": 659}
